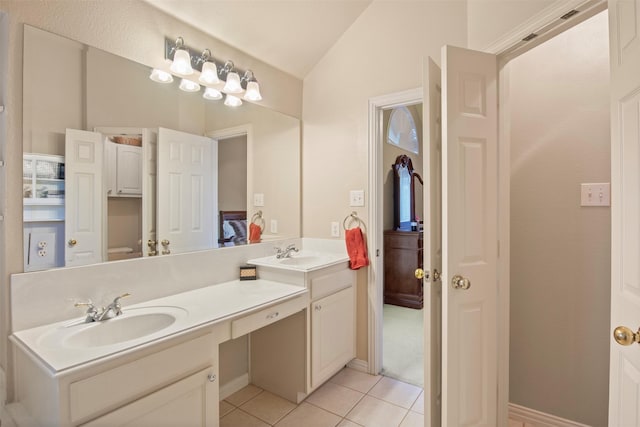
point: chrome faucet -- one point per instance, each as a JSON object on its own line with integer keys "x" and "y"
{"x": 112, "y": 310}
{"x": 286, "y": 253}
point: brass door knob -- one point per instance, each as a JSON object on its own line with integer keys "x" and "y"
{"x": 72, "y": 242}
{"x": 625, "y": 336}
{"x": 421, "y": 274}
{"x": 165, "y": 242}
{"x": 459, "y": 282}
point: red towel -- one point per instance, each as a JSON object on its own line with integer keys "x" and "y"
{"x": 254, "y": 233}
{"x": 356, "y": 248}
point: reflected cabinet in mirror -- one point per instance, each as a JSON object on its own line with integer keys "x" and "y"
{"x": 117, "y": 166}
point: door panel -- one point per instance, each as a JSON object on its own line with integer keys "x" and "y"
{"x": 624, "y": 381}
{"x": 84, "y": 199}
{"x": 433, "y": 248}
{"x": 469, "y": 240}
{"x": 149, "y": 186}
{"x": 187, "y": 192}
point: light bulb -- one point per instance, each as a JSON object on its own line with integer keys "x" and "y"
{"x": 233, "y": 83}
{"x": 209, "y": 74}
{"x": 212, "y": 94}
{"x": 253, "y": 92}
{"x": 189, "y": 86}
{"x": 160, "y": 76}
{"x": 181, "y": 63}
{"x": 232, "y": 101}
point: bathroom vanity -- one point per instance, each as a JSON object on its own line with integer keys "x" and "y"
{"x": 158, "y": 363}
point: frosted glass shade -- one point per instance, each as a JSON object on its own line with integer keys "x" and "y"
{"x": 253, "y": 92}
{"x": 212, "y": 94}
{"x": 160, "y": 76}
{"x": 233, "y": 83}
{"x": 209, "y": 74}
{"x": 181, "y": 63}
{"x": 189, "y": 86}
{"x": 232, "y": 101}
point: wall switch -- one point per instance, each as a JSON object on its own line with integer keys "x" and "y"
{"x": 595, "y": 194}
{"x": 335, "y": 229}
{"x": 356, "y": 198}
{"x": 274, "y": 226}
{"x": 258, "y": 199}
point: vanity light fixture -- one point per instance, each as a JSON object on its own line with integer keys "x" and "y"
{"x": 189, "y": 86}
{"x": 212, "y": 94}
{"x": 232, "y": 84}
{"x": 185, "y": 61}
{"x": 232, "y": 101}
{"x": 253, "y": 88}
{"x": 209, "y": 73}
{"x": 181, "y": 59}
{"x": 160, "y": 76}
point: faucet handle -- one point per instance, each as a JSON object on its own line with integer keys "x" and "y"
{"x": 85, "y": 304}
{"x": 116, "y": 299}
{"x": 92, "y": 311}
{"x": 117, "y": 308}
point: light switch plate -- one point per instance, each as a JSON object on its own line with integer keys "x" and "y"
{"x": 356, "y": 198}
{"x": 258, "y": 199}
{"x": 595, "y": 194}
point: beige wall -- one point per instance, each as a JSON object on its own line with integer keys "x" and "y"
{"x": 232, "y": 174}
{"x": 560, "y": 267}
{"x": 366, "y": 62}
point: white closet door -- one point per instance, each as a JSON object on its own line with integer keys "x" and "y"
{"x": 84, "y": 197}
{"x": 624, "y": 381}
{"x": 187, "y": 192}
{"x": 469, "y": 238}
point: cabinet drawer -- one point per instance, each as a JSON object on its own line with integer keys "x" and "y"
{"x": 331, "y": 283}
{"x": 110, "y": 389}
{"x": 267, "y": 316}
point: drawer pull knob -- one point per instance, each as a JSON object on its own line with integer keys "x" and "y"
{"x": 211, "y": 377}
{"x": 273, "y": 315}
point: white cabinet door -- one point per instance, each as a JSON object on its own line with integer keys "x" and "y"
{"x": 624, "y": 381}
{"x": 83, "y": 197}
{"x": 469, "y": 238}
{"x": 191, "y": 402}
{"x": 129, "y": 170}
{"x": 333, "y": 342}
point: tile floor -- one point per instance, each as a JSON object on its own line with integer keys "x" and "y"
{"x": 350, "y": 399}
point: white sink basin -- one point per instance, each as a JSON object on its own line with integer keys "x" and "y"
{"x": 300, "y": 261}
{"x": 134, "y": 323}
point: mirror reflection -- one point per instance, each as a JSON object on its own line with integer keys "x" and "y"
{"x": 117, "y": 166}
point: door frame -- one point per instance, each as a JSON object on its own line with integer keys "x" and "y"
{"x": 505, "y": 48}
{"x": 375, "y": 286}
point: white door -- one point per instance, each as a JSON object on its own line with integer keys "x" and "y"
{"x": 83, "y": 197}
{"x": 469, "y": 239}
{"x": 432, "y": 159}
{"x": 624, "y": 383}
{"x": 128, "y": 170}
{"x": 149, "y": 186}
{"x": 187, "y": 192}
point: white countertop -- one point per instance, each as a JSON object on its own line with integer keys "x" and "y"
{"x": 193, "y": 309}
{"x": 303, "y": 261}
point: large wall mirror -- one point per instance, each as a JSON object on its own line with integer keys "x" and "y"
{"x": 85, "y": 103}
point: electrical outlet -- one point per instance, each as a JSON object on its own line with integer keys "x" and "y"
{"x": 258, "y": 199}
{"x": 335, "y": 229}
{"x": 274, "y": 226}
{"x": 356, "y": 198}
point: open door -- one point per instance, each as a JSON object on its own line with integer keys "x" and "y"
{"x": 187, "y": 193}
{"x": 624, "y": 374}
{"x": 83, "y": 197}
{"x": 149, "y": 187}
{"x": 432, "y": 159}
{"x": 469, "y": 238}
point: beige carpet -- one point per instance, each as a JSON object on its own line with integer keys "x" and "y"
{"x": 402, "y": 353}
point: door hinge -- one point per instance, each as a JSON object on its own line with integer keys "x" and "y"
{"x": 377, "y": 252}
{"x": 2, "y": 163}
{"x": 1, "y": 108}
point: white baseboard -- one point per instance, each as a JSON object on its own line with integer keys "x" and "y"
{"x": 234, "y": 385}
{"x": 534, "y": 418}
{"x": 359, "y": 365}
